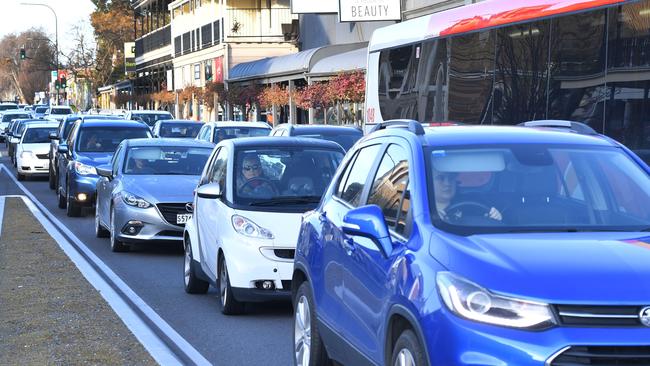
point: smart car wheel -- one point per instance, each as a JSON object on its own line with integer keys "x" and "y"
{"x": 229, "y": 305}
{"x": 193, "y": 284}
{"x": 407, "y": 350}
{"x": 116, "y": 244}
{"x": 100, "y": 231}
{"x": 308, "y": 346}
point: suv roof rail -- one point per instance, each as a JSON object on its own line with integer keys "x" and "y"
{"x": 577, "y": 127}
{"x": 411, "y": 125}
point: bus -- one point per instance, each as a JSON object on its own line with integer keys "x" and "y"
{"x": 506, "y": 62}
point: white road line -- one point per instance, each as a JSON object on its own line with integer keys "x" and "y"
{"x": 2, "y": 212}
{"x": 156, "y": 347}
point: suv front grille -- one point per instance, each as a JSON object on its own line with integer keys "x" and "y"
{"x": 603, "y": 355}
{"x": 599, "y": 316}
{"x": 170, "y": 210}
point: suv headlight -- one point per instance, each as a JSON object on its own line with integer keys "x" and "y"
{"x": 26, "y": 155}
{"x": 247, "y": 227}
{"x": 473, "y": 302}
{"x": 84, "y": 169}
{"x": 135, "y": 201}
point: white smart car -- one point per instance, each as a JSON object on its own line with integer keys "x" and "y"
{"x": 32, "y": 152}
{"x": 247, "y": 213}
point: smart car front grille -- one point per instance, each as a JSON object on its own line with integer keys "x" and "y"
{"x": 170, "y": 211}
{"x": 603, "y": 355}
{"x": 599, "y": 316}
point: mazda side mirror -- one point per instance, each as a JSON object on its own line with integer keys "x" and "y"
{"x": 210, "y": 191}
{"x": 54, "y": 136}
{"x": 368, "y": 222}
{"x": 105, "y": 171}
{"x": 63, "y": 149}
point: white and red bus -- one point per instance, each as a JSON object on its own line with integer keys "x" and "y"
{"x": 506, "y": 62}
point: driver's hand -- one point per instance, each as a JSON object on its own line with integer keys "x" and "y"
{"x": 494, "y": 214}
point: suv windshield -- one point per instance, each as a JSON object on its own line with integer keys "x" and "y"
{"x": 344, "y": 138}
{"x": 225, "y": 133}
{"x": 9, "y": 117}
{"x": 536, "y": 188}
{"x": 283, "y": 176}
{"x": 166, "y": 160}
{"x": 106, "y": 139}
{"x": 38, "y": 135}
{"x": 151, "y": 118}
{"x": 180, "y": 130}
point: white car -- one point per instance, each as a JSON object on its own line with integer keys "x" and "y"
{"x": 32, "y": 152}
{"x": 148, "y": 117}
{"x": 58, "y": 112}
{"x": 248, "y": 209}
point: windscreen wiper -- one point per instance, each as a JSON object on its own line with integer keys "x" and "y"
{"x": 295, "y": 200}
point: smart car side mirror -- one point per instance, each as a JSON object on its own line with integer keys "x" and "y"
{"x": 54, "y": 136}
{"x": 368, "y": 221}
{"x": 105, "y": 171}
{"x": 210, "y": 191}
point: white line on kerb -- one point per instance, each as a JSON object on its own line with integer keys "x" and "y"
{"x": 2, "y": 211}
{"x": 152, "y": 342}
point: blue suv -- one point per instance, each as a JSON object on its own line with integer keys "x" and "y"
{"x": 477, "y": 245}
{"x": 90, "y": 143}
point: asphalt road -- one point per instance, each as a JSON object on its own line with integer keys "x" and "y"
{"x": 262, "y": 336}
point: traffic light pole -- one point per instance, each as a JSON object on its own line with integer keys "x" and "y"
{"x": 56, "y": 46}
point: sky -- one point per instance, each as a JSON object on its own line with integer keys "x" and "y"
{"x": 15, "y": 18}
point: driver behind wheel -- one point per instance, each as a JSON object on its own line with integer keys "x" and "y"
{"x": 251, "y": 181}
{"x": 445, "y": 191}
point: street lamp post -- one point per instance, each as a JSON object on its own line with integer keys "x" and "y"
{"x": 56, "y": 46}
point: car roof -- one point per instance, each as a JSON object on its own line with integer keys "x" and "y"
{"x": 188, "y": 121}
{"x": 40, "y": 125}
{"x": 169, "y": 142}
{"x": 147, "y": 111}
{"x": 239, "y": 124}
{"x": 284, "y": 141}
{"x": 117, "y": 122}
{"x": 320, "y": 128}
{"x": 19, "y": 111}
{"x": 475, "y": 134}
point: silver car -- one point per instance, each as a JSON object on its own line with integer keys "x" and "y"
{"x": 147, "y": 190}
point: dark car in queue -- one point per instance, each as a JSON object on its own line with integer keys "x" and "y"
{"x": 346, "y": 136}
{"x": 61, "y": 135}
{"x": 90, "y": 144}
{"x": 177, "y": 128}
{"x": 135, "y": 203}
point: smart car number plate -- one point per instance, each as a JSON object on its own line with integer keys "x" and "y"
{"x": 183, "y": 218}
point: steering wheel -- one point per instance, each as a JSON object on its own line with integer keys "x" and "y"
{"x": 262, "y": 180}
{"x": 468, "y": 208}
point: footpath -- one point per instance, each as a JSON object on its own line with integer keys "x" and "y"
{"x": 49, "y": 313}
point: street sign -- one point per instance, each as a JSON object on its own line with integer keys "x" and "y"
{"x": 365, "y": 11}
{"x": 54, "y": 75}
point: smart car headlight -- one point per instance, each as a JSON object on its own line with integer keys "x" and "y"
{"x": 247, "y": 227}
{"x": 83, "y": 169}
{"x": 135, "y": 201}
{"x": 473, "y": 302}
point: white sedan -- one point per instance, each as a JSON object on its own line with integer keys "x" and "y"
{"x": 32, "y": 152}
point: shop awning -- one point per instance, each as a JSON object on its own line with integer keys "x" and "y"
{"x": 289, "y": 67}
{"x": 355, "y": 60}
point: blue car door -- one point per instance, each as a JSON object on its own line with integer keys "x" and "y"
{"x": 330, "y": 289}
{"x": 370, "y": 275}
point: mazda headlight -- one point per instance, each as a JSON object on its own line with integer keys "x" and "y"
{"x": 473, "y": 302}
{"x": 26, "y": 155}
{"x": 135, "y": 201}
{"x": 83, "y": 169}
{"x": 247, "y": 227}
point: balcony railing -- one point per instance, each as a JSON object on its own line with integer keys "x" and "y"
{"x": 153, "y": 41}
{"x": 257, "y": 25}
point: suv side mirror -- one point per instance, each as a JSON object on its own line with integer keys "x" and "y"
{"x": 210, "y": 191}
{"x": 368, "y": 221}
{"x": 105, "y": 171}
{"x": 54, "y": 136}
{"x": 63, "y": 149}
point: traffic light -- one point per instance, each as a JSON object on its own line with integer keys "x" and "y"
{"x": 22, "y": 54}
{"x": 63, "y": 82}
{"x": 56, "y": 84}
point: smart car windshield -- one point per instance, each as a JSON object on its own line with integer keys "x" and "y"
{"x": 106, "y": 139}
{"x": 166, "y": 160}
{"x": 180, "y": 130}
{"x": 283, "y": 176}
{"x": 224, "y": 133}
{"x": 536, "y": 188}
{"x": 38, "y": 135}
